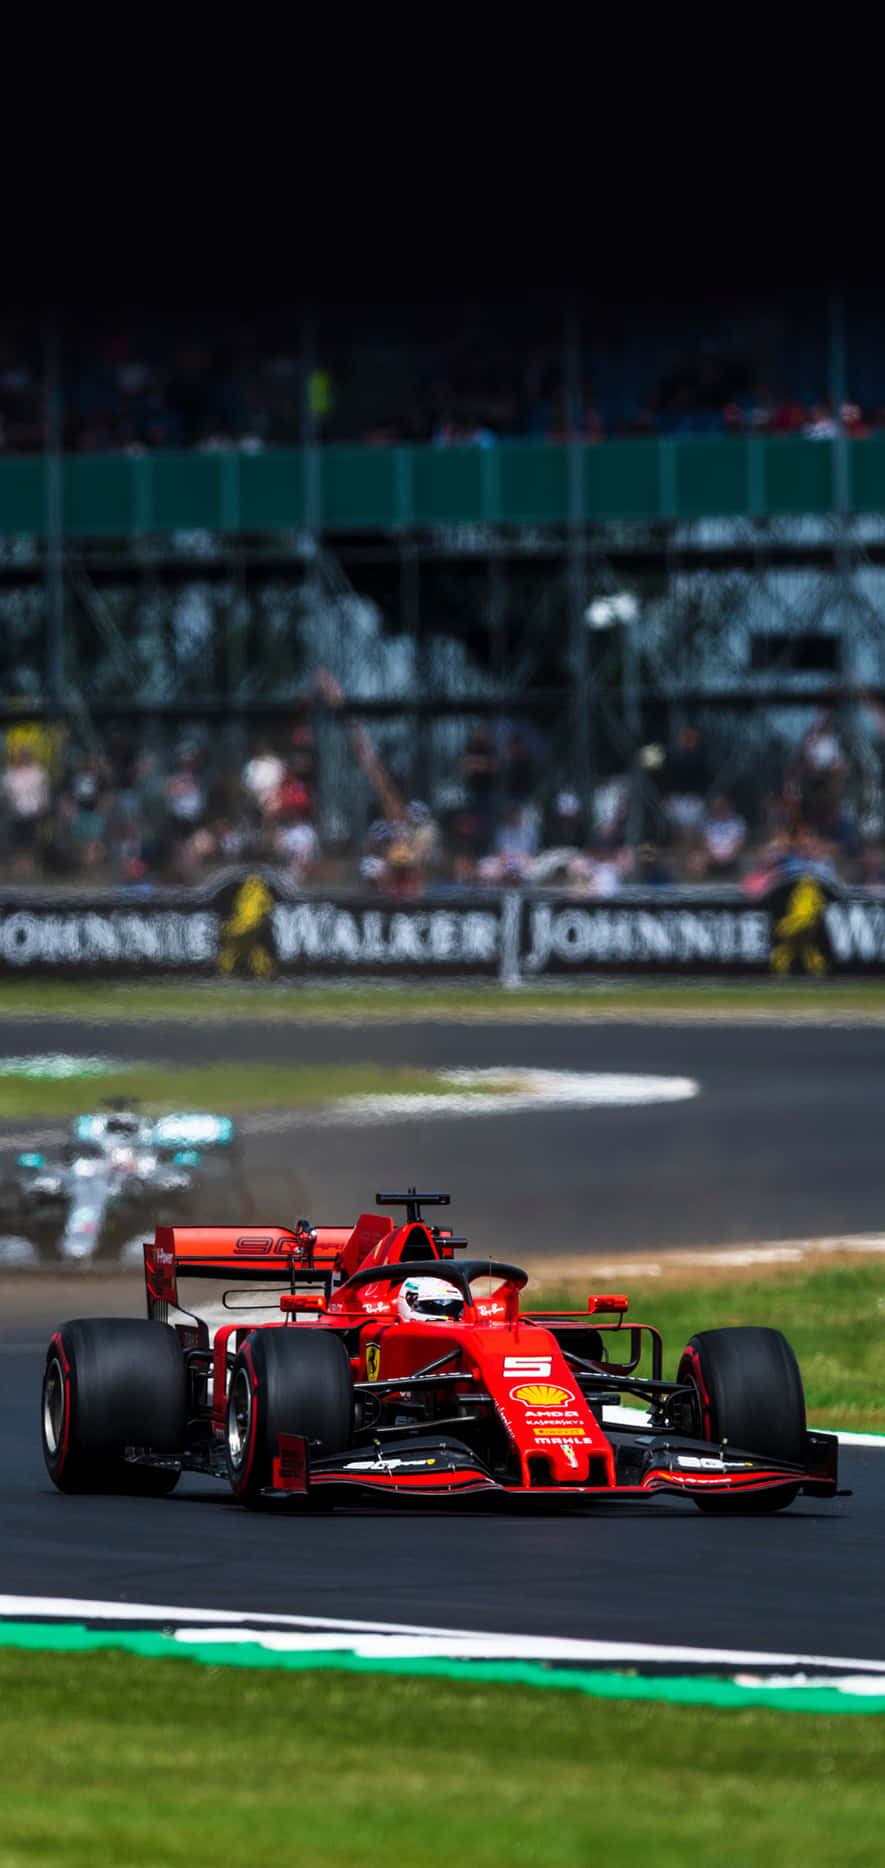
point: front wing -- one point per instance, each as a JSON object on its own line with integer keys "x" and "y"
{"x": 442, "y": 1467}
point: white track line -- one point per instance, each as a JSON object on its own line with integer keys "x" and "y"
{"x": 639, "y": 1417}
{"x": 493, "y": 1092}
{"x": 394, "y": 1640}
{"x": 73, "y": 1608}
{"x": 500, "y": 1092}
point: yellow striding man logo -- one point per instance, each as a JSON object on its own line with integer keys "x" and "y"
{"x": 797, "y": 932}
{"x": 245, "y": 935}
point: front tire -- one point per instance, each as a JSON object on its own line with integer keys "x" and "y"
{"x": 285, "y": 1381}
{"x": 112, "y": 1383}
{"x": 748, "y": 1392}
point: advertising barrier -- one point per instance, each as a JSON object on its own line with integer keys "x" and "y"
{"x": 250, "y": 924}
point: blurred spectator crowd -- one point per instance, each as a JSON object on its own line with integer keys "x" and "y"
{"x": 136, "y": 391}
{"x": 116, "y": 813}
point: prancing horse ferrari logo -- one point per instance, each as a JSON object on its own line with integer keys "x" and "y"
{"x": 373, "y": 1361}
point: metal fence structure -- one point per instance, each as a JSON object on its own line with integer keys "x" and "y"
{"x": 604, "y": 593}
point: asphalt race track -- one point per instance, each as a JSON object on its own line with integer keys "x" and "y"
{"x": 784, "y": 1140}
{"x": 808, "y": 1580}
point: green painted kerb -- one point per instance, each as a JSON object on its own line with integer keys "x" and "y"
{"x": 73, "y": 1637}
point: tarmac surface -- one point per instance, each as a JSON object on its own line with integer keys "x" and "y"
{"x": 785, "y": 1139}
{"x": 808, "y": 1580}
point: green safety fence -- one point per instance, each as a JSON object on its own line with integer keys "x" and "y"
{"x": 337, "y": 489}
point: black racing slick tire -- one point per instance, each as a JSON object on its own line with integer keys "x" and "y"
{"x": 748, "y": 1392}
{"x": 295, "y": 1381}
{"x": 112, "y": 1383}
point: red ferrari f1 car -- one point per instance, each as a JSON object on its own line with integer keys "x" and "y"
{"x": 326, "y": 1362}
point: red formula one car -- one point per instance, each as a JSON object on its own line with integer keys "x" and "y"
{"x": 325, "y": 1363}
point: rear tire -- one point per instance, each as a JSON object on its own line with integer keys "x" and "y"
{"x": 749, "y": 1392}
{"x": 111, "y": 1383}
{"x": 296, "y": 1381}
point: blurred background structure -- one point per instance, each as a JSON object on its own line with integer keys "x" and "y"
{"x": 546, "y": 594}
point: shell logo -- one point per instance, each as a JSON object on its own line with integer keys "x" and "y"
{"x": 541, "y": 1394}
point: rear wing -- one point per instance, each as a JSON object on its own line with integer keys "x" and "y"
{"x": 261, "y": 1251}
{"x": 310, "y": 1254}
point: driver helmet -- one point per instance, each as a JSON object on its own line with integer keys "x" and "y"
{"x": 429, "y": 1300}
{"x": 122, "y": 1124}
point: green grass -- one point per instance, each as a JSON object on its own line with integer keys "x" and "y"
{"x": 230, "y": 1087}
{"x": 834, "y": 1318}
{"x": 231, "y": 999}
{"x": 133, "y": 1763}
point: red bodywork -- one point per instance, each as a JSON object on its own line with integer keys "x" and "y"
{"x": 499, "y": 1368}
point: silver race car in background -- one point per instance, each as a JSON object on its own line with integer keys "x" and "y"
{"x": 120, "y": 1171}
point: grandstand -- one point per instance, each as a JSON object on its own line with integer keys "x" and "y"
{"x": 534, "y": 556}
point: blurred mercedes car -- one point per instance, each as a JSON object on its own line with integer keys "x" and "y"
{"x": 94, "y": 1196}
